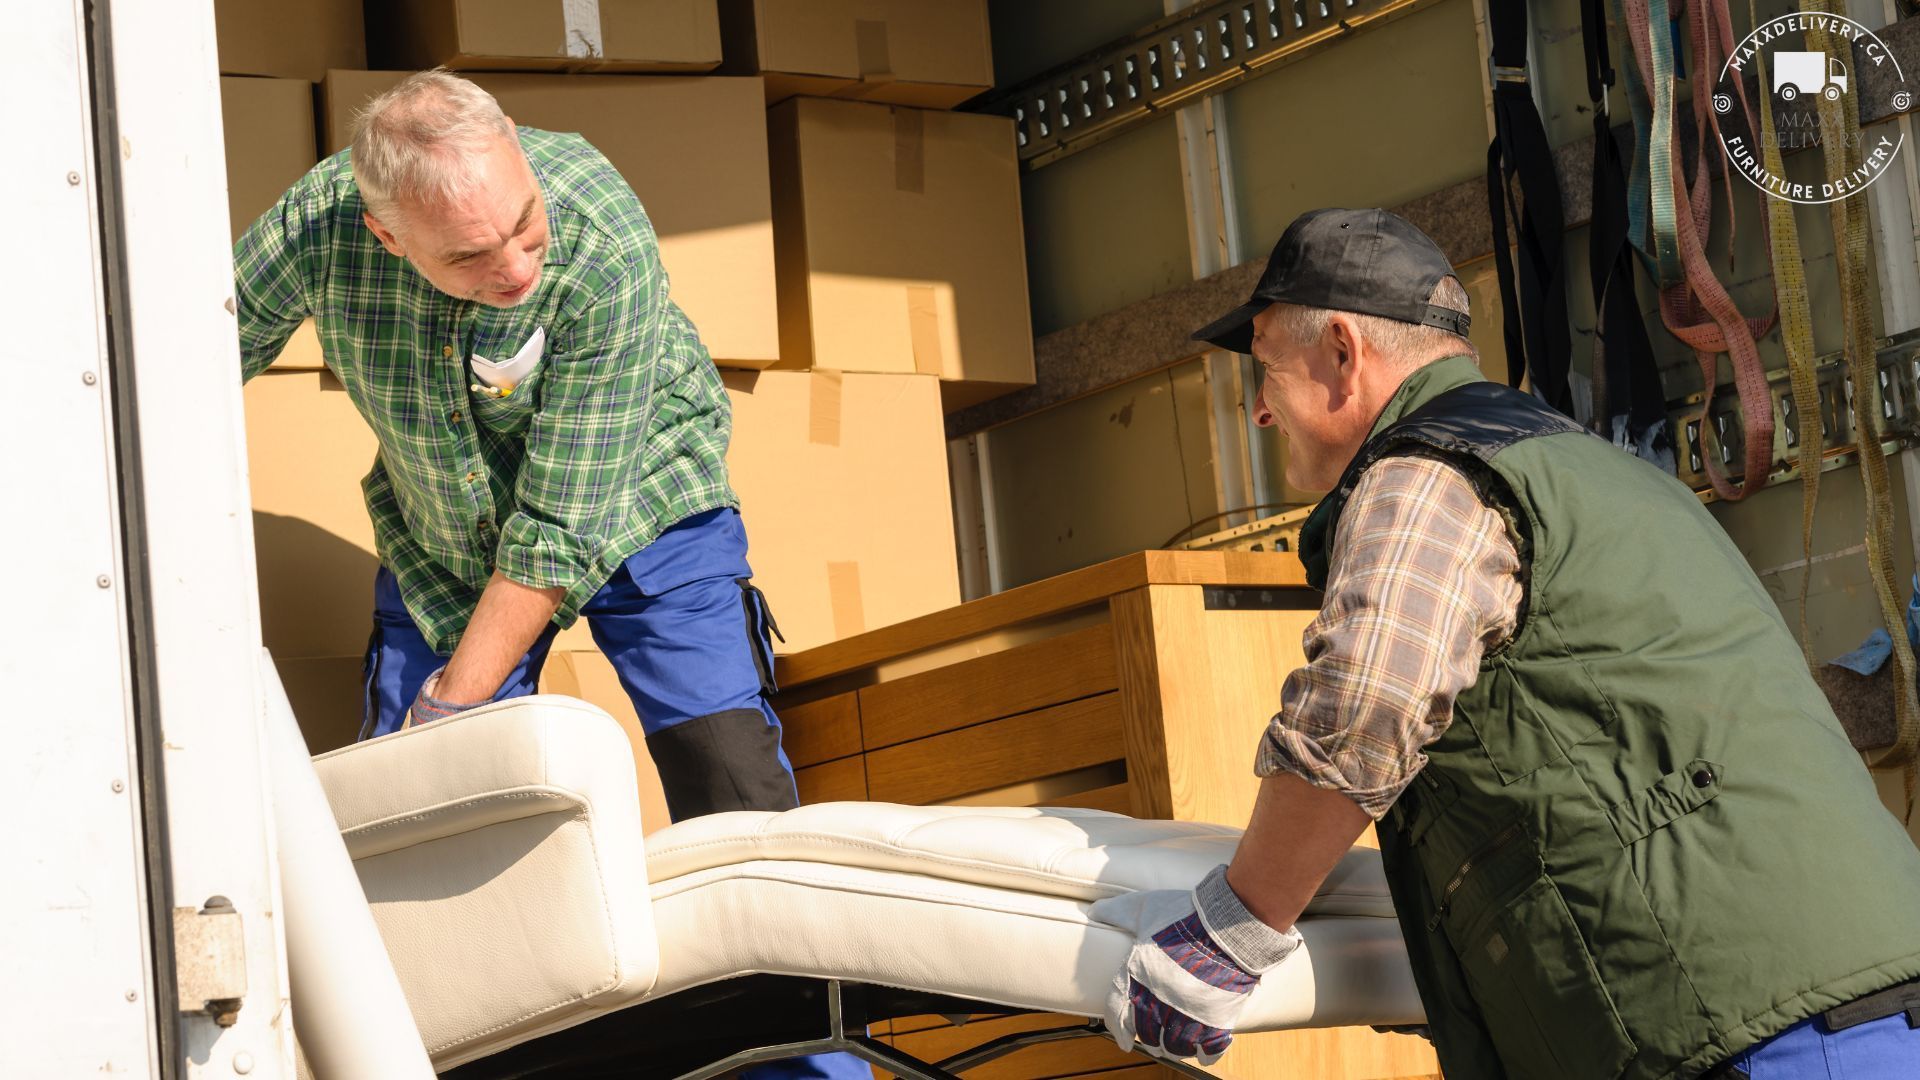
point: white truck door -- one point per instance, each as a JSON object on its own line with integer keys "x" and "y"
{"x": 132, "y": 786}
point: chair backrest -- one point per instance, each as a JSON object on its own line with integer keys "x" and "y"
{"x": 501, "y": 852}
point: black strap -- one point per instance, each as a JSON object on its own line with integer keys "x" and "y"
{"x": 1630, "y": 375}
{"x": 1894, "y": 1000}
{"x": 1533, "y": 293}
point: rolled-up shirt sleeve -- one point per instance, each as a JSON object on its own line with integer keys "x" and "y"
{"x": 593, "y": 410}
{"x": 1424, "y": 579}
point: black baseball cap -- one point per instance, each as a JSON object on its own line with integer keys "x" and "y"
{"x": 1366, "y": 261}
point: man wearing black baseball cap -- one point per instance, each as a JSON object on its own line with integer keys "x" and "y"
{"x": 1603, "y": 783}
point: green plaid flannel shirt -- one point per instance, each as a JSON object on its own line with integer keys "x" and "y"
{"x": 619, "y": 432}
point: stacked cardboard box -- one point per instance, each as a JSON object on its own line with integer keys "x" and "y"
{"x": 271, "y": 141}
{"x": 933, "y": 54}
{"x": 545, "y": 35}
{"x": 289, "y": 39}
{"x": 307, "y": 449}
{"x": 843, "y": 487}
{"x": 898, "y": 244}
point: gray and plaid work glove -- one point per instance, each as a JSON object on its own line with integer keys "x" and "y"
{"x": 427, "y": 708}
{"x": 1196, "y": 956}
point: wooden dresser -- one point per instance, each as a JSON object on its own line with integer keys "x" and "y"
{"x": 1140, "y": 685}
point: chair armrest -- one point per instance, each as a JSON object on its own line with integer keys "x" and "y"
{"x": 502, "y": 855}
{"x": 500, "y": 762}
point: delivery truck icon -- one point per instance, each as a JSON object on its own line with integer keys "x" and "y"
{"x": 1796, "y": 73}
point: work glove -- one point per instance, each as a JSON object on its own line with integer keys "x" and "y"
{"x": 427, "y": 708}
{"x": 1196, "y": 956}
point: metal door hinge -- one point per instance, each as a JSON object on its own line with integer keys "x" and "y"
{"x": 210, "y": 960}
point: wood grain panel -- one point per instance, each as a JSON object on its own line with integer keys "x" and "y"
{"x": 1065, "y": 668}
{"x": 997, "y": 753}
{"x": 1117, "y": 799}
{"x": 1054, "y": 595}
{"x": 821, "y": 730}
{"x": 1348, "y": 1053}
{"x": 1067, "y": 1058}
{"x": 1137, "y": 660}
{"x": 1198, "y": 688}
{"x": 844, "y": 780}
{"x": 1344, "y": 1053}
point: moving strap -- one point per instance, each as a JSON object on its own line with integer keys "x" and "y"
{"x": 1693, "y": 304}
{"x": 1538, "y": 340}
{"x": 1840, "y": 146}
{"x": 1629, "y": 401}
{"x": 1796, "y": 334}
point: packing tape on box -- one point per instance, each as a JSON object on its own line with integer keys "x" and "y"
{"x": 923, "y": 330}
{"x": 823, "y": 409}
{"x": 843, "y": 596}
{"x": 873, "y": 57}
{"x": 909, "y": 150}
{"x": 870, "y": 47}
{"x": 583, "y": 29}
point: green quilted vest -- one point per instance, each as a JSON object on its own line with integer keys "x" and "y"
{"x": 1644, "y": 842}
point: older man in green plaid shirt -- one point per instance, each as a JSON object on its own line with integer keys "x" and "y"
{"x": 552, "y": 433}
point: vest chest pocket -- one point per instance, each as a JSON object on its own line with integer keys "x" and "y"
{"x": 1528, "y": 967}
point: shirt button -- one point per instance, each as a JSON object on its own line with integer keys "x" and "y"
{"x": 454, "y": 417}
{"x": 472, "y": 476}
{"x": 1703, "y": 778}
{"x": 446, "y": 350}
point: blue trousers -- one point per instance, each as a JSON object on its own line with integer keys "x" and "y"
{"x": 1884, "y": 1049}
{"x": 690, "y": 640}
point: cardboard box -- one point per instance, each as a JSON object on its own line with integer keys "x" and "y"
{"x": 934, "y": 54}
{"x": 589, "y": 676}
{"x": 898, "y": 243}
{"x": 545, "y": 35}
{"x": 694, "y": 150}
{"x": 328, "y": 694}
{"x": 843, "y": 487}
{"x": 270, "y": 140}
{"x": 289, "y": 39}
{"x": 307, "y": 450}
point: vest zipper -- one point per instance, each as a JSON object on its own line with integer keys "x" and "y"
{"x": 1507, "y": 836}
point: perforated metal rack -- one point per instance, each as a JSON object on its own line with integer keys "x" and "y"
{"x": 1178, "y": 60}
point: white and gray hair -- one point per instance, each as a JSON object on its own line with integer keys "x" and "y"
{"x": 414, "y": 143}
{"x": 1407, "y": 343}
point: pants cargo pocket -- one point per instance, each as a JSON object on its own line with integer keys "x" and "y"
{"x": 1529, "y": 969}
{"x": 761, "y": 630}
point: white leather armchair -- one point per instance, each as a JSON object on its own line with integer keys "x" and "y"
{"x": 502, "y": 856}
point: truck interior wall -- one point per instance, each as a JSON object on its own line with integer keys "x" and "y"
{"x": 1389, "y": 115}
{"x": 1079, "y": 263}
{"x": 1114, "y": 472}
{"x": 1030, "y": 38}
{"x": 1105, "y": 227}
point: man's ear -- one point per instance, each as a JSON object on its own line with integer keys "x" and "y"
{"x": 1344, "y": 344}
{"x": 387, "y": 238}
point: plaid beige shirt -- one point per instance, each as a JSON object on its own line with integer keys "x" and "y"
{"x": 1423, "y": 580}
{"x": 618, "y": 432}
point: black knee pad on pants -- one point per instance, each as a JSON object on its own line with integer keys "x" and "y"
{"x": 722, "y": 761}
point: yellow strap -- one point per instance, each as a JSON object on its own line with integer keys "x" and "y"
{"x": 1796, "y": 333}
{"x": 1840, "y": 146}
